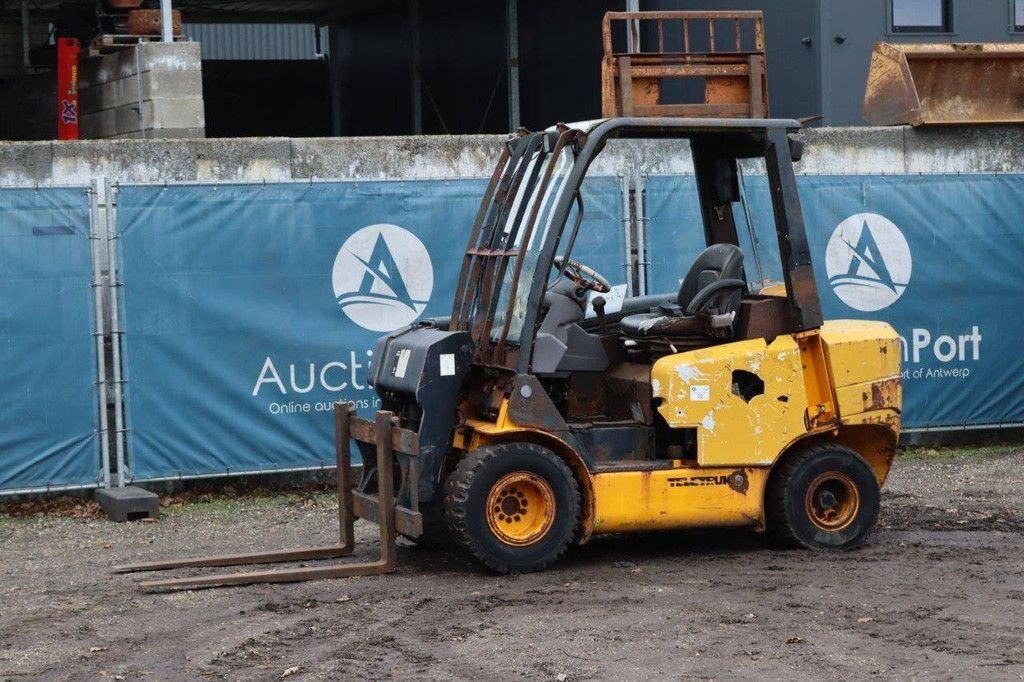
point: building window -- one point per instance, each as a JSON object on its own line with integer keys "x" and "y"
{"x": 1018, "y": 15}
{"x": 922, "y": 16}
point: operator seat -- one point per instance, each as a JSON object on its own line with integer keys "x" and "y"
{"x": 707, "y": 303}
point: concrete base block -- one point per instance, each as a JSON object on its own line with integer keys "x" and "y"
{"x": 163, "y": 134}
{"x": 128, "y": 503}
{"x": 154, "y": 85}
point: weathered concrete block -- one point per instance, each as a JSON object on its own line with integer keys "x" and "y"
{"x": 154, "y": 85}
{"x": 94, "y": 71}
{"x": 983, "y": 149}
{"x": 646, "y": 156}
{"x": 433, "y": 156}
{"x": 163, "y": 57}
{"x": 256, "y": 159}
{"x": 833, "y": 151}
{"x": 128, "y": 504}
{"x": 155, "y": 56}
{"x": 25, "y": 163}
{"x": 163, "y": 134}
{"x": 98, "y": 124}
{"x": 175, "y": 113}
{"x": 964, "y": 149}
{"x": 168, "y": 76}
{"x": 122, "y": 161}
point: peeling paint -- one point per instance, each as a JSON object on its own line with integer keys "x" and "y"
{"x": 708, "y": 422}
{"x": 688, "y": 372}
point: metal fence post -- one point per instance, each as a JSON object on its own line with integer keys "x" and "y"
{"x": 640, "y": 198}
{"x": 116, "y": 333}
{"x": 98, "y": 335}
{"x": 627, "y": 230}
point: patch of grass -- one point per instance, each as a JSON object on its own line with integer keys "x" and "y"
{"x": 950, "y": 452}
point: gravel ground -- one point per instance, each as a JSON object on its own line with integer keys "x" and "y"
{"x": 936, "y": 594}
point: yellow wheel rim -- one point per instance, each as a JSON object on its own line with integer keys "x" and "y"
{"x": 520, "y": 508}
{"x": 832, "y": 501}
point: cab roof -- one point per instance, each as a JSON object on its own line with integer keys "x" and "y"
{"x": 663, "y": 126}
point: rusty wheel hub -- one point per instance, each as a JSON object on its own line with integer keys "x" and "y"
{"x": 520, "y": 508}
{"x": 832, "y": 501}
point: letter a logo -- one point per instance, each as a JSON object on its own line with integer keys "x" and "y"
{"x": 382, "y": 277}
{"x": 868, "y": 262}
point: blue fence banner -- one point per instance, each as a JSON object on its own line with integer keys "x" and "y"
{"x": 936, "y": 256}
{"x": 47, "y": 351}
{"x": 250, "y": 309}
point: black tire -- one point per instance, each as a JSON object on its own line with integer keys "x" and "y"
{"x": 435, "y": 530}
{"x": 825, "y": 517}
{"x": 488, "y": 469}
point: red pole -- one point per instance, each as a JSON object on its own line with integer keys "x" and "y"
{"x": 67, "y": 88}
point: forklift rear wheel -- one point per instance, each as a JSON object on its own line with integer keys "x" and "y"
{"x": 515, "y": 506}
{"x": 824, "y": 496}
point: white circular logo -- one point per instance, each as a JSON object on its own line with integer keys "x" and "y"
{"x": 383, "y": 277}
{"x": 868, "y": 262}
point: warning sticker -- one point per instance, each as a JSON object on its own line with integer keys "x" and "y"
{"x": 447, "y": 364}
{"x": 402, "y": 362}
{"x": 700, "y": 393}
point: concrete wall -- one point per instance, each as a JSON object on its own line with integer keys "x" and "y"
{"x": 153, "y": 90}
{"x": 828, "y": 151}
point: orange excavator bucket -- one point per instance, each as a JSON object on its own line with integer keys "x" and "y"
{"x": 945, "y": 84}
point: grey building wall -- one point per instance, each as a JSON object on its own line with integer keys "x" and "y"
{"x": 819, "y": 50}
{"x": 848, "y": 30}
{"x": 793, "y": 62}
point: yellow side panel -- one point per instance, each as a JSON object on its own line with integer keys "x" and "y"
{"x": 861, "y": 352}
{"x": 697, "y": 392}
{"x": 865, "y": 361}
{"x": 678, "y": 498}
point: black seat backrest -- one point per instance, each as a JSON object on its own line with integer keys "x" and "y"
{"x": 718, "y": 261}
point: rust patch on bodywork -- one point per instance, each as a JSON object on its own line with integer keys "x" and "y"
{"x": 884, "y": 394}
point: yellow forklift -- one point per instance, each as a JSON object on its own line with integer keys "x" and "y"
{"x": 521, "y": 424}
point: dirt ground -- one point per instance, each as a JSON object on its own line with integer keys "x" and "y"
{"x": 937, "y": 593}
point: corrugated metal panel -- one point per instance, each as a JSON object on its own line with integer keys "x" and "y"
{"x": 254, "y": 41}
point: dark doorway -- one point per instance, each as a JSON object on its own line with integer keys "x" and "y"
{"x": 266, "y": 98}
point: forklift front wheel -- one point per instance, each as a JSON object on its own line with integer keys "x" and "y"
{"x": 823, "y": 496}
{"x": 515, "y": 506}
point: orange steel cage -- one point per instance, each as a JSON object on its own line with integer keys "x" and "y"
{"x": 723, "y": 51}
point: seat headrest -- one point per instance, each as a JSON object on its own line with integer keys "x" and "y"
{"x": 718, "y": 261}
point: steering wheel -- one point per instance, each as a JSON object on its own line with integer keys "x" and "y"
{"x": 584, "y": 275}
